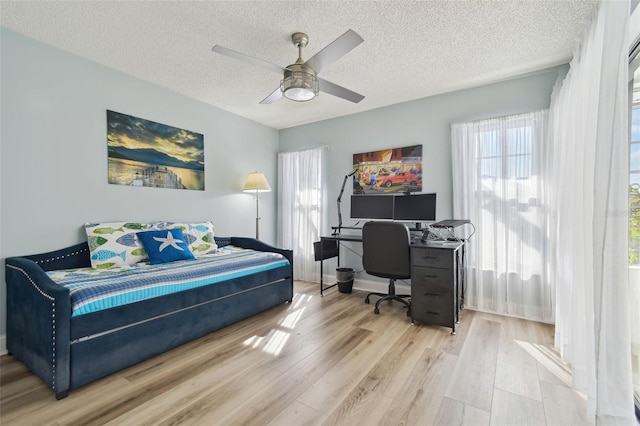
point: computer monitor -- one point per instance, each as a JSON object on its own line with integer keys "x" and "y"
{"x": 414, "y": 208}
{"x": 372, "y": 207}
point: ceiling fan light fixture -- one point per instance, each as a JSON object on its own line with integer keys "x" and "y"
{"x": 299, "y": 84}
{"x": 299, "y": 80}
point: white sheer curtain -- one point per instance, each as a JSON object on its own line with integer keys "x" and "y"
{"x": 498, "y": 185}
{"x": 589, "y": 229}
{"x": 300, "y": 204}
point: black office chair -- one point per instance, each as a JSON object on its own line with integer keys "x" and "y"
{"x": 386, "y": 254}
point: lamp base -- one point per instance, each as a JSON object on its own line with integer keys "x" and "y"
{"x": 257, "y": 228}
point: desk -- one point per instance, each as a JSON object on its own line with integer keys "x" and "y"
{"x": 437, "y": 277}
{"x": 329, "y": 247}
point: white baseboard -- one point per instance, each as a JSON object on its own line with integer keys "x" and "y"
{"x": 3, "y": 344}
{"x": 371, "y": 286}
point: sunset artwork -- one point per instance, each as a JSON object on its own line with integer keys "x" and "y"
{"x": 146, "y": 153}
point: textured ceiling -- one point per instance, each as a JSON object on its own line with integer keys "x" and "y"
{"x": 411, "y": 50}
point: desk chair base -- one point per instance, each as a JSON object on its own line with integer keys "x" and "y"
{"x": 389, "y": 296}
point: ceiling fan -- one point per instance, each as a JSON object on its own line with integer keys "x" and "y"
{"x": 300, "y": 80}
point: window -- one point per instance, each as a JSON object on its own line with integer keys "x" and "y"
{"x": 499, "y": 186}
{"x": 511, "y": 152}
{"x": 634, "y": 235}
{"x": 301, "y": 207}
{"x": 634, "y": 181}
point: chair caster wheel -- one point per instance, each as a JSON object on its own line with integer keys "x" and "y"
{"x": 376, "y": 311}
{"x": 366, "y": 300}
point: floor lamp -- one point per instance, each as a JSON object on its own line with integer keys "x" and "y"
{"x": 256, "y": 182}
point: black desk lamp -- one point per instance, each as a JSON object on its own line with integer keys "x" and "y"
{"x": 344, "y": 182}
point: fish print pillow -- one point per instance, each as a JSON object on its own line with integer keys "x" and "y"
{"x": 115, "y": 244}
{"x": 198, "y": 236}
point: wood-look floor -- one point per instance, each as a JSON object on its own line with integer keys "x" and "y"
{"x": 324, "y": 361}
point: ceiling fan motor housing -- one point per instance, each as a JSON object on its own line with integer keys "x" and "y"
{"x": 299, "y": 83}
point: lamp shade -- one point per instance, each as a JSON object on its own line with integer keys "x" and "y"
{"x": 256, "y": 182}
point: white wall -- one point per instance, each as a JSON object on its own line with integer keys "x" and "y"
{"x": 425, "y": 121}
{"x": 53, "y": 154}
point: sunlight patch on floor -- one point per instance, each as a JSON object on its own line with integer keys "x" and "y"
{"x": 292, "y": 319}
{"x": 550, "y": 359}
{"x": 300, "y": 299}
{"x": 274, "y": 341}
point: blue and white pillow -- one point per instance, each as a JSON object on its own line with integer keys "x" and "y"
{"x": 115, "y": 244}
{"x": 198, "y": 236}
{"x": 167, "y": 245}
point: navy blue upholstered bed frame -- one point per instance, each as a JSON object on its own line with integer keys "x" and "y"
{"x": 68, "y": 352}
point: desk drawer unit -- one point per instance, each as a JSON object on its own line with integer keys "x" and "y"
{"x": 432, "y": 257}
{"x": 434, "y": 286}
{"x": 431, "y": 298}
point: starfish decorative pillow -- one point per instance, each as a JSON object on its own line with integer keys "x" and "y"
{"x": 198, "y": 236}
{"x": 167, "y": 245}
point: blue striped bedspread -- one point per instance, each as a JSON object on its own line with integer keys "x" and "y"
{"x": 93, "y": 289}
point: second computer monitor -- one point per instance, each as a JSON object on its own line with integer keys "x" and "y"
{"x": 414, "y": 208}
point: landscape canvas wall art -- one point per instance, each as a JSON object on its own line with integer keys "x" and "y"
{"x": 145, "y": 153}
{"x": 388, "y": 170}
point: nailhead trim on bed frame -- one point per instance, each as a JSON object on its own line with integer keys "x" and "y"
{"x": 75, "y": 253}
{"x": 223, "y": 241}
{"x": 53, "y": 317}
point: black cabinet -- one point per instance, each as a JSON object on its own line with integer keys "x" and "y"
{"x": 436, "y": 286}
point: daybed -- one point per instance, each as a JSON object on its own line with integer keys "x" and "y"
{"x": 68, "y": 350}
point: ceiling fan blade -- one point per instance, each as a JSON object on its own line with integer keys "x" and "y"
{"x": 339, "y": 91}
{"x": 274, "y": 96}
{"x": 335, "y": 50}
{"x": 246, "y": 58}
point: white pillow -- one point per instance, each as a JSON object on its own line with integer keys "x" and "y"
{"x": 198, "y": 236}
{"x": 115, "y": 244}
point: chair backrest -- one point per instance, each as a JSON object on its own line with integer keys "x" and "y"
{"x": 386, "y": 250}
